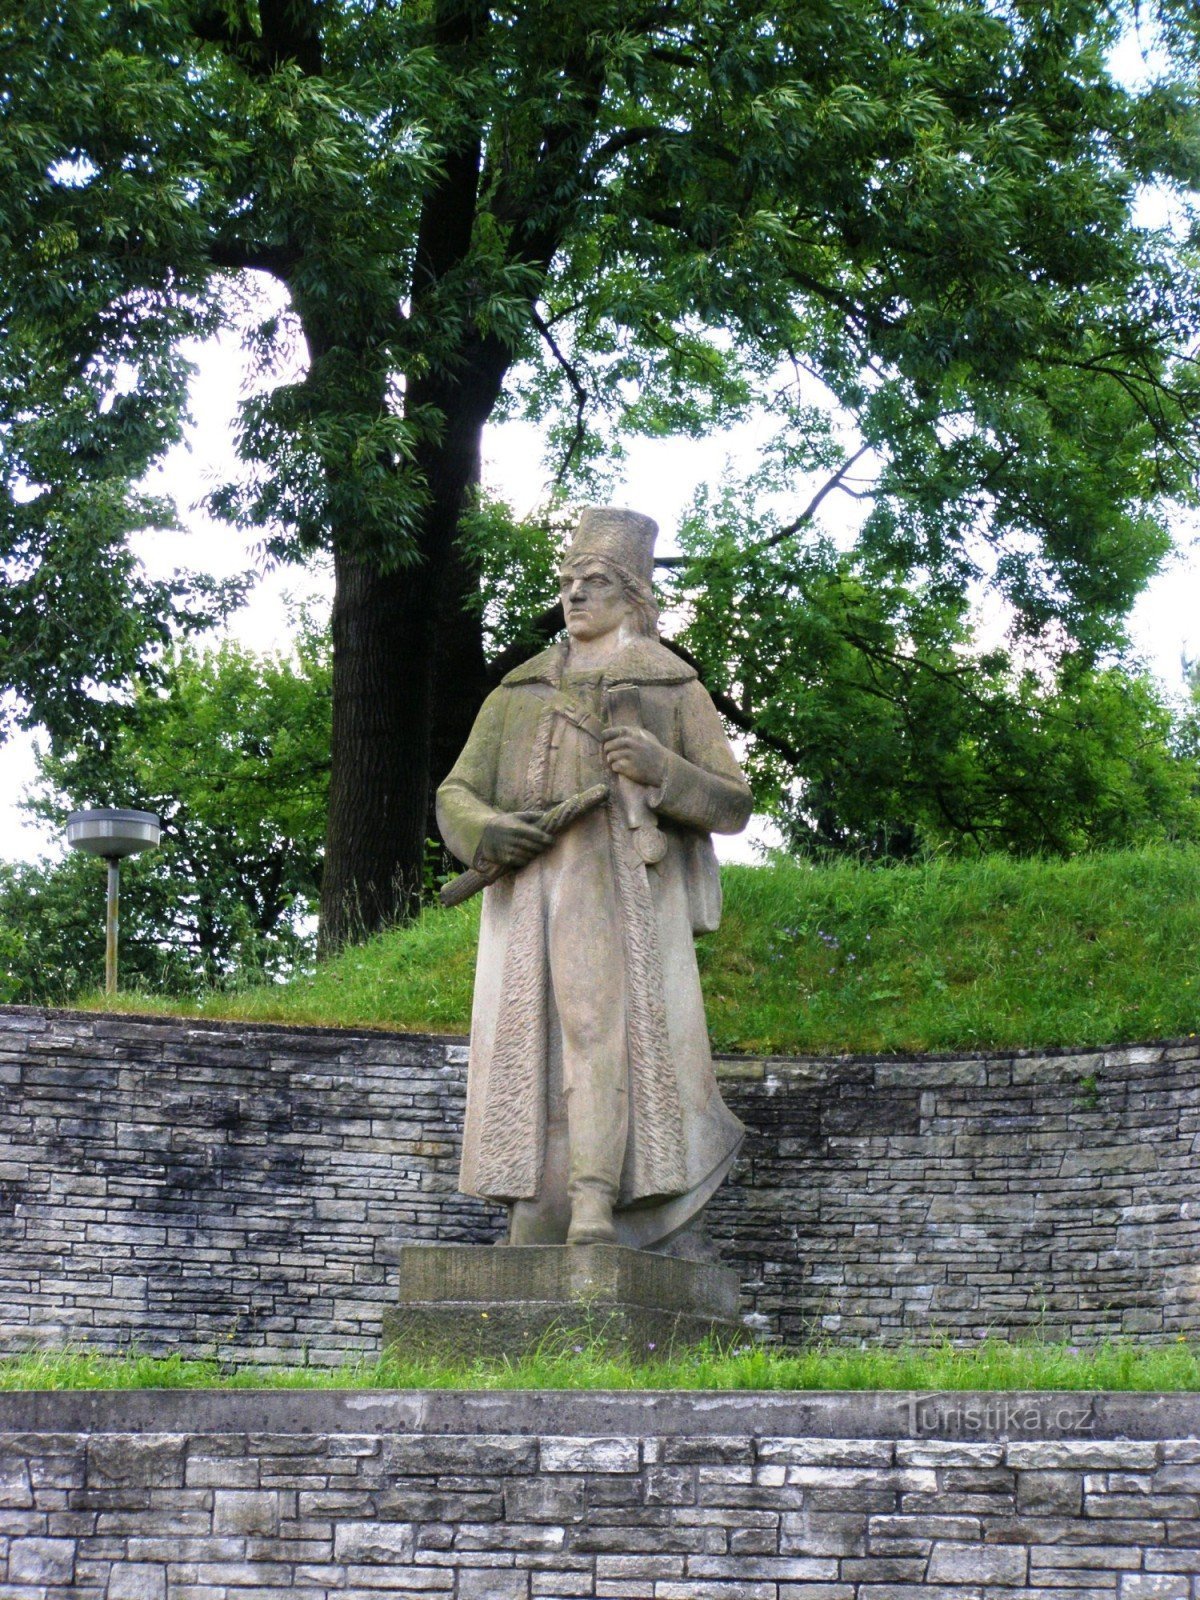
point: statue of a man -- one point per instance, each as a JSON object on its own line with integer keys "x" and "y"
{"x": 592, "y": 1109}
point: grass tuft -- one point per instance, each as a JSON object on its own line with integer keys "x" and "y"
{"x": 572, "y": 1363}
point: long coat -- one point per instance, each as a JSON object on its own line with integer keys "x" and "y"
{"x": 532, "y": 745}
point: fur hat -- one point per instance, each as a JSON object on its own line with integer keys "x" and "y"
{"x": 625, "y": 539}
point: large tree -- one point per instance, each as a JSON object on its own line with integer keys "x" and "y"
{"x": 632, "y": 214}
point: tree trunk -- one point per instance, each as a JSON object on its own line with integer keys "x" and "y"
{"x": 396, "y": 634}
{"x": 383, "y": 635}
{"x": 460, "y": 681}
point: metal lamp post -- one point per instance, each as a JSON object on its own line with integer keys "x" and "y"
{"x": 111, "y": 835}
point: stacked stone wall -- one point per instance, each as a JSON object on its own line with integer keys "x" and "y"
{"x": 209, "y": 1496}
{"x": 215, "y": 1187}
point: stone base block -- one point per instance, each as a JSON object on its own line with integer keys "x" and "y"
{"x": 504, "y": 1299}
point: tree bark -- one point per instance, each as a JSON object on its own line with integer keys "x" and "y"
{"x": 395, "y": 634}
{"x": 383, "y": 633}
{"x": 461, "y": 679}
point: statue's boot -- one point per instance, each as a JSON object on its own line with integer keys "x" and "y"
{"x": 592, "y": 1215}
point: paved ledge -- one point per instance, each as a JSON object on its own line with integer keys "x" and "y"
{"x": 203, "y": 1495}
{"x": 979, "y": 1415}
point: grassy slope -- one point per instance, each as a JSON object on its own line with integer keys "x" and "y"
{"x": 944, "y": 956}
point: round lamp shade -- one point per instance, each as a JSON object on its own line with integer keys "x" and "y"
{"x": 111, "y": 833}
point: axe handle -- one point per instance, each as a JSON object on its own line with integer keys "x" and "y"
{"x": 556, "y": 820}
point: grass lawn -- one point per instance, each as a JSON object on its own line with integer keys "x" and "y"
{"x": 948, "y": 955}
{"x": 989, "y": 1365}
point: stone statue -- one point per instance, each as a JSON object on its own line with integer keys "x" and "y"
{"x": 592, "y": 1109}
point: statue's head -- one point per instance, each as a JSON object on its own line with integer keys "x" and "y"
{"x": 605, "y": 576}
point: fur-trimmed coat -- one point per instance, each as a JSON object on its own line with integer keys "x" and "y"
{"x": 531, "y": 746}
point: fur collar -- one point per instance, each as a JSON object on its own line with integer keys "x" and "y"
{"x": 643, "y": 661}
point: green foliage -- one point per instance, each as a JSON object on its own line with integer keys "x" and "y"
{"x": 952, "y": 955}
{"x": 574, "y": 1360}
{"x": 52, "y": 931}
{"x": 880, "y": 729}
{"x": 931, "y": 210}
{"x": 944, "y": 955}
{"x": 517, "y": 564}
{"x": 232, "y": 751}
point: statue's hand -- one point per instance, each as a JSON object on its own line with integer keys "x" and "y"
{"x": 635, "y": 753}
{"x": 513, "y": 838}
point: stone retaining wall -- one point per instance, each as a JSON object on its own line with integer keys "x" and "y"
{"x": 253, "y": 1496}
{"x": 200, "y": 1186}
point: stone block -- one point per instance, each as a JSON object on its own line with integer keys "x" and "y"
{"x": 483, "y": 1454}
{"x": 827, "y": 1452}
{"x": 823, "y": 1533}
{"x": 818, "y": 1591}
{"x": 1120, "y": 1455}
{"x": 246, "y": 1511}
{"x": 137, "y": 1580}
{"x": 644, "y": 1567}
{"x": 1049, "y": 1494}
{"x": 1154, "y": 1586}
{"x": 536, "y": 1499}
{"x": 589, "y": 1455}
{"x": 1080, "y": 1557}
{"x": 704, "y": 1589}
{"x": 386, "y": 1542}
{"x": 488, "y": 1583}
{"x": 998, "y": 1564}
{"x": 142, "y": 1460}
{"x": 46, "y": 1563}
{"x": 561, "y": 1585}
{"x": 15, "y": 1491}
{"x": 480, "y": 1299}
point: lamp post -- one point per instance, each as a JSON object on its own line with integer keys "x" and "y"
{"x": 112, "y": 834}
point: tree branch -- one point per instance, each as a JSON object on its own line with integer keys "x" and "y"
{"x": 732, "y": 712}
{"x": 622, "y": 141}
{"x": 449, "y": 204}
{"x": 836, "y": 481}
{"x": 814, "y": 505}
{"x": 577, "y": 388}
{"x": 278, "y": 260}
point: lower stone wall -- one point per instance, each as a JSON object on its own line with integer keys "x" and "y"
{"x": 211, "y": 1188}
{"x": 216, "y": 1496}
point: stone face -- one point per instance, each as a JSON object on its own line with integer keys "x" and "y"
{"x": 702, "y": 1496}
{"x": 182, "y": 1185}
{"x": 48, "y": 1562}
{"x": 490, "y": 1583}
{"x": 246, "y": 1511}
{"x": 137, "y": 1580}
{"x": 373, "y": 1542}
{"x": 977, "y": 1563}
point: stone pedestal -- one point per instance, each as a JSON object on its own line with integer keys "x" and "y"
{"x": 505, "y": 1299}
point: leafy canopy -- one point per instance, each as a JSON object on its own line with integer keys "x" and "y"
{"x": 928, "y": 207}
{"x": 909, "y": 231}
